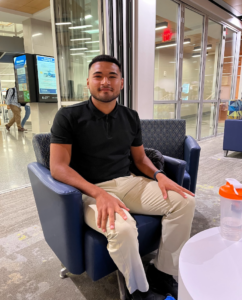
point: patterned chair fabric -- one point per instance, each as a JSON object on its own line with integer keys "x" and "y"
{"x": 41, "y": 144}
{"x": 167, "y": 136}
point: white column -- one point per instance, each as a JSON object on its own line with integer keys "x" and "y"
{"x": 144, "y": 65}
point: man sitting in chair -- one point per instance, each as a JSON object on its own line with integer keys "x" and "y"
{"x": 91, "y": 143}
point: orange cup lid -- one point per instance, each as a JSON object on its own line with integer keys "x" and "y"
{"x": 228, "y": 191}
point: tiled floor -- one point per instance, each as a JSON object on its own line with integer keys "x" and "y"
{"x": 16, "y": 152}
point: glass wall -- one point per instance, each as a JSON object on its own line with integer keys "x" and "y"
{"x": 11, "y": 29}
{"x": 78, "y": 39}
{"x": 191, "y": 80}
{"x": 192, "y": 49}
{"x": 228, "y": 64}
{"x": 214, "y": 44}
{"x": 165, "y": 50}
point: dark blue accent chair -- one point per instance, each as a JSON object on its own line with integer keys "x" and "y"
{"x": 232, "y": 139}
{"x": 80, "y": 248}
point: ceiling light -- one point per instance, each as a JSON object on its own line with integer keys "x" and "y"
{"x": 92, "y": 31}
{"x": 77, "y": 53}
{"x": 80, "y": 27}
{"x": 78, "y": 48}
{"x": 63, "y": 23}
{"x": 36, "y": 34}
{"x": 92, "y": 51}
{"x": 197, "y": 54}
{"x": 172, "y": 62}
{"x": 199, "y": 48}
{"x": 171, "y": 44}
{"x": 84, "y": 39}
{"x": 161, "y": 25}
{"x": 88, "y": 17}
{"x": 91, "y": 42}
{"x": 7, "y": 80}
{"x": 88, "y": 60}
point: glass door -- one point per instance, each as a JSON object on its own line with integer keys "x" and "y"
{"x": 166, "y": 59}
{"x": 193, "y": 55}
{"x": 211, "y": 78}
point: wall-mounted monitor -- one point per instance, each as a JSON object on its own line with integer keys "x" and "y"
{"x": 46, "y": 79}
{"x": 25, "y": 78}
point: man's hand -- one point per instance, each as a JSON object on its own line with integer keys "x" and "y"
{"x": 167, "y": 184}
{"x": 107, "y": 206}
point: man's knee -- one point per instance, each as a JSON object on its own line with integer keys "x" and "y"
{"x": 125, "y": 230}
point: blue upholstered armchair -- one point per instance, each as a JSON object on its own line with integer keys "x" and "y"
{"x": 80, "y": 248}
{"x": 232, "y": 132}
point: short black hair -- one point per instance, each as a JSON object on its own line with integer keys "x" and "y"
{"x": 108, "y": 58}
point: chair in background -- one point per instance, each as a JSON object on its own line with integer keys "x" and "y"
{"x": 232, "y": 136}
{"x": 60, "y": 209}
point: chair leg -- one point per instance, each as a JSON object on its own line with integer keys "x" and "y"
{"x": 226, "y": 152}
{"x": 63, "y": 273}
{"x": 121, "y": 285}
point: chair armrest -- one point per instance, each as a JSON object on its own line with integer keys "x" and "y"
{"x": 175, "y": 169}
{"x": 60, "y": 211}
{"x": 191, "y": 156}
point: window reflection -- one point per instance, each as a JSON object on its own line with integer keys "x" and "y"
{"x": 211, "y": 69}
{"x": 165, "y": 50}
{"x": 164, "y": 111}
{"x": 78, "y": 42}
{"x": 193, "y": 31}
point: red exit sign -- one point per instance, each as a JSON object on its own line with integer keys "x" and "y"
{"x": 166, "y": 35}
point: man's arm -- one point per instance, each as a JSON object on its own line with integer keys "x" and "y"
{"x": 10, "y": 93}
{"x": 144, "y": 164}
{"x": 107, "y": 205}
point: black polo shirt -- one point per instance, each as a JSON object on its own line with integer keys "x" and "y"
{"x": 100, "y": 143}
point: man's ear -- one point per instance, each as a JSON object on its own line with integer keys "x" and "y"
{"x": 88, "y": 83}
{"x": 122, "y": 84}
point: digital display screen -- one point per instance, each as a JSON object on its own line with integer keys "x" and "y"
{"x": 21, "y": 75}
{"x": 47, "y": 86}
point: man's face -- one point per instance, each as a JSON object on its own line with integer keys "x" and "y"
{"x": 105, "y": 81}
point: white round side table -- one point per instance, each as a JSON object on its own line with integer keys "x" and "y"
{"x": 210, "y": 268}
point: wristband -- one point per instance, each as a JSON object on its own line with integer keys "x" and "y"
{"x": 159, "y": 171}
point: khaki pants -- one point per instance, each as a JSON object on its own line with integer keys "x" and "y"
{"x": 143, "y": 196}
{"x": 16, "y": 116}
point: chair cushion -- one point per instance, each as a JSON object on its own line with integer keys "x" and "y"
{"x": 97, "y": 259}
{"x": 41, "y": 144}
{"x": 186, "y": 181}
{"x": 167, "y": 136}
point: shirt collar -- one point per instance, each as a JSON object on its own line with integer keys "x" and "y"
{"x": 99, "y": 114}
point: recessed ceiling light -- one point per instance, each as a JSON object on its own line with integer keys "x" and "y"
{"x": 78, "y": 48}
{"x": 63, "y": 23}
{"x": 83, "y": 39}
{"x": 37, "y": 34}
{"x": 80, "y": 27}
{"x": 88, "y": 17}
{"x": 161, "y": 25}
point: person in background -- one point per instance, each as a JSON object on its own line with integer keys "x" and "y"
{"x": 12, "y": 103}
{"x": 27, "y": 113}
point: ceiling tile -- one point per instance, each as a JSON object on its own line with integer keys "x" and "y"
{"x": 233, "y": 2}
{"x": 39, "y": 3}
